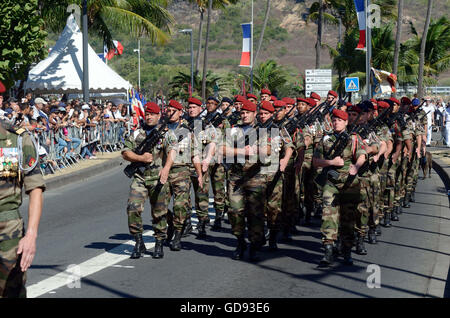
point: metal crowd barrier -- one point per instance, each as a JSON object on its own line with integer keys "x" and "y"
{"x": 103, "y": 137}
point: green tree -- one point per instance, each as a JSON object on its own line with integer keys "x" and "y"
{"x": 179, "y": 85}
{"x": 268, "y": 75}
{"x": 423, "y": 48}
{"x": 139, "y": 18}
{"x": 21, "y": 39}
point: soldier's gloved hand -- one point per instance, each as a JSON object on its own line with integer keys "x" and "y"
{"x": 147, "y": 157}
{"x": 338, "y": 162}
{"x": 27, "y": 247}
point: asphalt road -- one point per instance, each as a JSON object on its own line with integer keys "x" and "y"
{"x": 85, "y": 224}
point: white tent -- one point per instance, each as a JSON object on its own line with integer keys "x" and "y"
{"x": 62, "y": 71}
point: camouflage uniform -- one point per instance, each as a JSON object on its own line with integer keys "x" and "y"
{"x": 339, "y": 203}
{"x": 384, "y": 134}
{"x": 305, "y": 179}
{"x": 148, "y": 186}
{"x": 12, "y": 279}
{"x": 318, "y": 133}
{"x": 406, "y": 134}
{"x": 391, "y": 185}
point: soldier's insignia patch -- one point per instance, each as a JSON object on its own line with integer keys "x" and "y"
{"x": 31, "y": 161}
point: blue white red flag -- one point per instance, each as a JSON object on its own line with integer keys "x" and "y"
{"x": 246, "y": 59}
{"x": 361, "y": 13}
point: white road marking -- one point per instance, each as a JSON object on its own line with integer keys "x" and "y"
{"x": 107, "y": 259}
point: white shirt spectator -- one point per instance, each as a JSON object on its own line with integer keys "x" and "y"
{"x": 430, "y": 110}
{"x": 116, "y": 115}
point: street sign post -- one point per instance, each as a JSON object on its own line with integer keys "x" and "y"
{"x": 351, "y": 84}
{"x": 318, "y": 81}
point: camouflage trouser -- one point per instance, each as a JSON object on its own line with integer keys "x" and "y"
{"x": 410, "y": 171}
{"x": 416, "y": 166}
{"x": 340, "y": 212}
{"x": 180, "y": 185}
{"x": 291, "y": 191}
{"x": 400, "y": 180}
{"x": 361, "y": 224}
{"x": 201, "y": 195}
{"x": 247, "y": 203}
{"x": 218, "y": 181}
{"x": 274, "y": 200}
{"x": 158, "y": 195}
{"x": 318, "y": 190}
{"x": 374, "y": 198}
{"x": 307, "y": 186}
{"x": 12, "y": 279}
{"x": 382, "y": 181}
{"x": 390, "y": 185}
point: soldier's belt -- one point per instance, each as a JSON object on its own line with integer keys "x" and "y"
{"x": 9, "y": 215}
{"x": 179, "y": 169}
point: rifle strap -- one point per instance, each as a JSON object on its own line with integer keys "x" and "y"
{"x": 354, "y": 146}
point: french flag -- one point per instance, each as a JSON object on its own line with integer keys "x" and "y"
{"x": 246, "y": 59}
{"x": 361, "y": 12}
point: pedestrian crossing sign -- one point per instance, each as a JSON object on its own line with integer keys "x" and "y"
{"x": 352, "y": 84}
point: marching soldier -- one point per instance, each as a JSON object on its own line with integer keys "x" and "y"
{"x": 151, "y": 183}
{"x": 265, "y": 94}
{"x": 341, "y": 191}
{"x": 18, "y": 172}
{"x": 247, "y": 192}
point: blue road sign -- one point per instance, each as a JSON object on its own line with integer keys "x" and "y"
{"x": 352, "y": 84}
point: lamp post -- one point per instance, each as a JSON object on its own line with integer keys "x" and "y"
{"x": 192, "y": 56}
{"x": 85, "y": 55}
{"x": 138, "y": 50}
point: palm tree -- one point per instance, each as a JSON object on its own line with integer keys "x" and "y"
{"x": 261, "y": 36}
{"x": 136, "y": 17}
{"x": 423, "y": 47}
{"x": 179, "y": 86}
{"x": 268, "y": 75}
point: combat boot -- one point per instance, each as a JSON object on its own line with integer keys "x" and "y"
{"x": 217, "y": 222}
{"x": 201, "y": 229}
{"x": 327, "y": 259}
{"x": 238, "y": 253}
{"x": 187, "y": 227}
{"x": 387, "y": 219}
{"x": 337, "y": 247}
{"x": 139, "y": 247}
{"x": 273, "y": 240}
{"x": 158, "y": 252}
{"x": 406, "y": 201}
{"x": 175, "y": 245}
{"x": 394, "y": 216}
{"x": 286, "y": 235}
{"x": 378, "y": 230}
{"x": 372, "y": 236}
{"x": 347, "y": 253}
{"x": 400, "y": 209}
{"x": 318, "y": 212}
{"x": 360, "y": 248}
{"x": 170, "y": 231}
{"x": 253, "y": 257}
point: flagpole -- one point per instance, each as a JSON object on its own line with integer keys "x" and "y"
{"x": 368, "y": 49}
{"x": 251, "y": 56}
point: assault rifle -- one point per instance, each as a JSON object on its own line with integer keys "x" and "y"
{"x": 216, "y": 118}
{"x": 147, "y": 145}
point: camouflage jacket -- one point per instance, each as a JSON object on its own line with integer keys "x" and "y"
{"x": 12, "y": 181}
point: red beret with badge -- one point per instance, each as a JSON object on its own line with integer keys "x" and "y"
{"x": 395, "y": 100}
{"x": 195, "y": 101}
{"x": 311, "y": 102}
{"x": 303, "y": 100}
{"x": 266, "y": 91}
{"x": 333, "y": 93}
{"x": 273, "y": 98}
{"x": 348, "y": 104}
{"x": 382, "y": 104}
{"x": 173, "y": 103}
{"x": 288, "y": 101}
{"x": 248, "y": 105}
{"x": 279, "y": 103}
{"x": 315, "y": 96}
{"x": 267, "y": 106}
{"x": 340, "y": 114}
{"x": 252, "y": 96}
{"x": 406, "y": 101}
{"x": 353, "y": 108}
{"x": 152, "y": 107}
{"x": 239, "y": 99}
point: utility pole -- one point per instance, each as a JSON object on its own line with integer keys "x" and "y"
{"x": 368, "y": 50}
{"x": 85, "y": 55}
{"x": 192, "y": 56}
{"x": 138, "y": 50}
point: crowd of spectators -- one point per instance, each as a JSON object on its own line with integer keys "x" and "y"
{"x": 438, "y": 118}
{"x": 69, "y": 131}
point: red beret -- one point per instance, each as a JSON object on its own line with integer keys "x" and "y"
{"x": 266, "y": 91}
{"x": 239, "y": 98}
{"x": 152, "y": 107}
{"x": 340, "y": 114}
{"x": 193, "y": 100}
{"x": 375, "y": 107}
{"x": 348, "y": 104}
{"x": 406, "y": 101}
{"x": 315, "y": 95}
{"x": 333, "y": 93}
{"x": 267, "y": 106}
{"x": 394, "y": 100}
{"x": 289, "y": 101}
{"x": 373, "y": 100}
{"x": 273, "y": 98}
{"x": 173, "y": 103}
{"x": 382, "y": 104}
{"x": 311, "y": 102}
{"x": 279, "y": 103}
{"x": 252, "y": 96}
{"x": 353, "y": 108}
{"x": 248, "y": 105}
{"x": 2, "y": 88}
{"x": 302, "y": 100}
